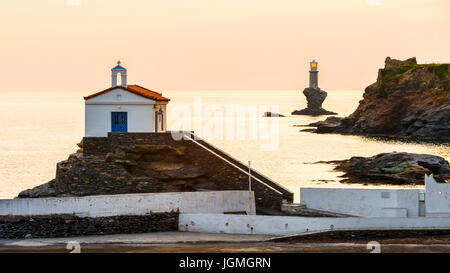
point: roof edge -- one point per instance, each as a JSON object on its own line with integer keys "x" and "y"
{"x": 129, "y": 90}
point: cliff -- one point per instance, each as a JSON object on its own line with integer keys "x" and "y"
{"x": 408, "y": 99}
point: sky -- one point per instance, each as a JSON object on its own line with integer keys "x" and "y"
{"x": 71, "y": 45}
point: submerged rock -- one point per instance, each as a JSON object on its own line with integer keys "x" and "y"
{"x": 407, "y": 100}
{"x": 270, "y": 114}
{"x": 393, "y": 168}
{"x": 327, "y": 126}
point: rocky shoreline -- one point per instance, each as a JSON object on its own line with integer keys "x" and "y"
{"x": 407, "y": 100}
{"x": 392, "y": 168}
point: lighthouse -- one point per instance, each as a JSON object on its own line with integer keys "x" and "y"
{"x": 313, "y": 75}
{"x": 314, "y": 96}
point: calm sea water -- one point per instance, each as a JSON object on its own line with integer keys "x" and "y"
{"x": 41, "y": 129}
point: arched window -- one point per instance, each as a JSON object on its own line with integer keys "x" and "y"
{"x": 119, "y": 79}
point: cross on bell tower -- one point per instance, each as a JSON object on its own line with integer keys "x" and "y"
{"x": 123, "y": 73}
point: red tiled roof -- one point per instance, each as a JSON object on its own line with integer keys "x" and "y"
{"x": 135, "y": 89}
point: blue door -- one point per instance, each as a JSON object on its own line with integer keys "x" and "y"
{"x": 119, "y": 122}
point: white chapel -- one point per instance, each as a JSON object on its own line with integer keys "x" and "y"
{"x": 124, "y": 108}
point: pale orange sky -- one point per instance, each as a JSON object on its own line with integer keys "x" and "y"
{"x": 214, "y": 44}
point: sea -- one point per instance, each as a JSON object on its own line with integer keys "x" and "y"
{"x": 43, "y": 128}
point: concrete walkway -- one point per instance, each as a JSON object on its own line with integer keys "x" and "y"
{"x": 189, "y": 242}
{"x": 143, "y": 238}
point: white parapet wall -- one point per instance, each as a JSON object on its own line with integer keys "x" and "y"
{"x": 437, "y": 198}
{"x": 288, "y": 225}
{"x": 433, "y": 201}
{"x": 133, "y": 204}
{"x": 363, "y": 202}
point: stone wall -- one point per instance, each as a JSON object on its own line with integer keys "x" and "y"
{"x": 95, "y": 145}
{"x": 156, "y": 162}
{"x": 20, "y": 227}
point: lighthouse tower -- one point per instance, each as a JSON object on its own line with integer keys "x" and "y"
{"x": 314, "y": 95}
{"x": 313, "y": 75}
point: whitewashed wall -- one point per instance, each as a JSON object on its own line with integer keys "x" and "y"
{"x": 437, "y": 198}
{"x": 98, "y": 112}
{"x": 98, "y": 119}
{"x": 363, "y": 202}
{"x": 133, "y": 204}
{"x": 286, "y": 225}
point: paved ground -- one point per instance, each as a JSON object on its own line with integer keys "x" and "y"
{"x": 255, "y": 247}
{"x": 183, "y": 242}
{"x": 143, "y": 238}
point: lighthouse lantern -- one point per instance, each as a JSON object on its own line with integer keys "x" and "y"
{"x": 313, "y": 65}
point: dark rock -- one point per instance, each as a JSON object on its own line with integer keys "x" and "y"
{"x": 393, "y": 168}
{"x": 44, "y": 190}
{"x": 329, "y": 125}
{"x": 315, "y": 97}
{"x": 433, "y": 167}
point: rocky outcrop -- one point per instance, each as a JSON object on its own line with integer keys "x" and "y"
{"x": 407, "y": 100}
{"x": 393, "y": 168}
{"x": 315, "y": 98}
{"x": 125, "y": 163}
{"x": 136, "y": 169}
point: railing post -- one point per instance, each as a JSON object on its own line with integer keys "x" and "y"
{"x": 250, "y": 186}
{"x": 249, "y": 177}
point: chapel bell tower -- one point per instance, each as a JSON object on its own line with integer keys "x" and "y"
{"x": 123, "y": 73}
